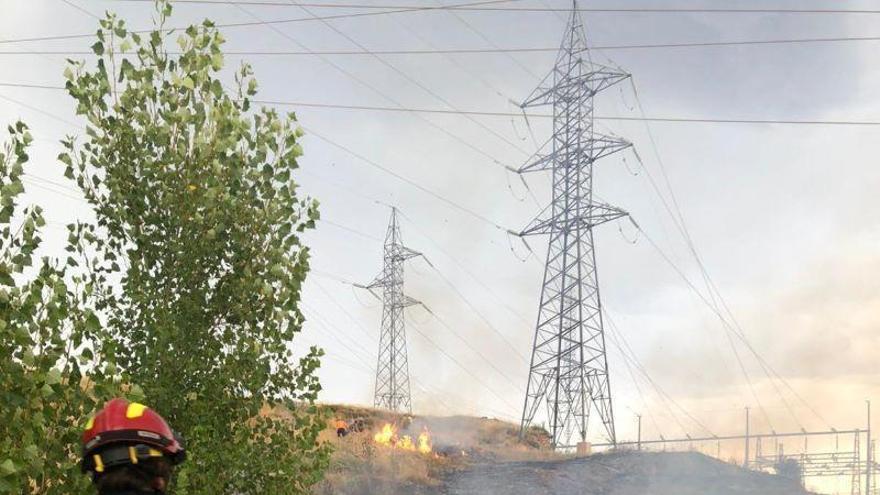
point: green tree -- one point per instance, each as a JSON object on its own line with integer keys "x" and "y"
{"x": 50, "y": 379}
{"x": 197, "y": 253}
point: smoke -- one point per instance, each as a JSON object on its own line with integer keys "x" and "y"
{"x": 818, "y": 331}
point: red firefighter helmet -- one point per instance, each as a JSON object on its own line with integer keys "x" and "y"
{"x": 126, "y": 432}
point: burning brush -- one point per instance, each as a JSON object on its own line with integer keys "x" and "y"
{"x": 388, "y": 436}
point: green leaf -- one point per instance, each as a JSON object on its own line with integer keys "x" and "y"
{"x": 53, "y": 377}
{"x": 217, "y": 61}
{"x": 7, "y": 468}
{"x": 32, "y": 451}
{"x": 46, "y": 390}
{"x": 93, "y": 324}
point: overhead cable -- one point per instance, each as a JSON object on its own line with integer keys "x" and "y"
{"x": 251, "y": 24}
{"x": 635, "y": 10}
{"x": 692, "y": 120}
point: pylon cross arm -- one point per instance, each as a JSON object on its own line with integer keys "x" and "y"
{"x": 596, "y": 214}
{"x": 593, "y": 147}
{"x": 380, "y": 281}
{"x": 407, "y": 253}
{"x": 593, "y": 81}
{"x": 408, "y": 301}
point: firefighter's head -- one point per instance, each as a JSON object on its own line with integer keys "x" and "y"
{"x": 127, "y": 446}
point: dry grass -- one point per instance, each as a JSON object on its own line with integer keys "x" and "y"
{"x": 359, "y": 466}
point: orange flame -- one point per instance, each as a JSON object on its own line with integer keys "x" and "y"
{"x": 388, "y": 437}
{"x": 425, "y": 442}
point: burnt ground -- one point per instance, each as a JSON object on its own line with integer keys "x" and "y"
{"x": 621, "y": 473}
{"x": 484, "y": 456}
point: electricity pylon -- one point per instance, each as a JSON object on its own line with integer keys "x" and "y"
{"x": 569, "y": 368}
{"x": 392, "y": 369}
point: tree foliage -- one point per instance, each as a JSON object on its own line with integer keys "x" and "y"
{"x": 196, "y": 253}
{"x": 50, "y": 377}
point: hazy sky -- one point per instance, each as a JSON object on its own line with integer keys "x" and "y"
{"x": 785, "y": 217}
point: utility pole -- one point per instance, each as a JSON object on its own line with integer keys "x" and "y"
{"x": 868, "y": 455}
{"x": 569, "y": 367}
{"x": 392, "y": 390}
{"x": 856, "y": 485}
{"x": 872, "y": 467}
{"x": 746, "y": 457}
{"x": 640, "y": 433}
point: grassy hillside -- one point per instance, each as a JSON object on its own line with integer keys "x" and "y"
{"x": 484, "y": 456}
{"x": 361, "y": 466}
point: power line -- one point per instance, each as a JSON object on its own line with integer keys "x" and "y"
{"x": 468, "y": 271}
{"x": 40, "y": 111}
{"x": 476, "y": 407}
{"x": 472, "y": 348}
{"x": 360, "y": 366}
{"x": 346, "y": 188}
{"x": 632, "y": 362}
{"x": 407, "y": 180}
{"x": 619, "y": 118}
{"x": 763, "y": 363}
{"x": 349, "y": 229}
{"x": 479, "y": 314}
{"x": 679, "y": 222}
{"x": 434, "y": 344}
{"x": 728, "y": 325}
{"x": 477, "y": 311}
{"x": 632, "y": 375}
{"x": 378, "y": 91}
{"x": 84, "y": 11}
{"x": 598, "y": 117}
{"x": 345, "y": 312}
{"x": 454, "y": 51}
{"x": 710, "y": 285}
{"x": 318, "y": 318}
{"x": 456, "y": 290}
{"x": 452, "y": 60}
{"x": 35, "y": 181}
{"x": 647, "y": 376}
{"x": 491, "y": 43}
{"x": 252, "y": 24}
{"x": 348, "y": 150}
{"x": 414, "y": 81}
{"x": 331, "y": 276}
{"x": 322, "y": 320}
{"x": 267, "y": 3}
{"x": 448, "y": 327}
{"x": 476, "y": 378}
{"x": 445, "y": 279}
{"x": 346, "y": 362}
{"x": 370, "y": 162}
{"x": 326, "y": 324}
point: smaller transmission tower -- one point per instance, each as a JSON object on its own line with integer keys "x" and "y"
{"x": 392, "y": 369}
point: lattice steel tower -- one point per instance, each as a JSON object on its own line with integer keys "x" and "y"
{"x": 569, "y": 368}
{"x": 392, "y": 369}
